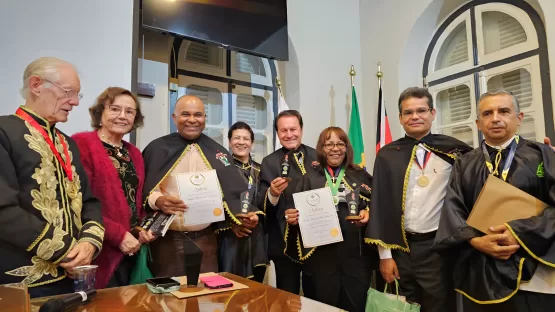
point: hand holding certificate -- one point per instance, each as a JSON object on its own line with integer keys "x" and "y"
{"x": 318, "y": 219}
{"x": 201, "y": 193}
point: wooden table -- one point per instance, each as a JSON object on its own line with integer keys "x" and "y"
{"x": 258, "y": 297}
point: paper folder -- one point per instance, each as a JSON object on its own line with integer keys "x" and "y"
{"x": 500, "y": 202}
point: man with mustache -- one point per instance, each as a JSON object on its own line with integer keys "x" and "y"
{"x": 189, "y": 150}
{"x": 274, "y": 188}
{"x": 50, "y": 222}
{"x": 410, "y": 176}
{"x": 513, "y": 267}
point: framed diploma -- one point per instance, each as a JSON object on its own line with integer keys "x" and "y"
{"x": 318, "y": 219}
{"x": 201, "y": 192}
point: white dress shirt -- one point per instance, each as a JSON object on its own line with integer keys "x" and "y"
{"x": 423, "y": 204}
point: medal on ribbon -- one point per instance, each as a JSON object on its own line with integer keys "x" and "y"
{"x": 334, "y": 183}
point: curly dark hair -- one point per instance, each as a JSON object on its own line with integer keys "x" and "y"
{"x": 106, "y": 98}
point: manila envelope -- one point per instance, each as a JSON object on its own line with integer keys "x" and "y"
{"x": 500, "y": 202}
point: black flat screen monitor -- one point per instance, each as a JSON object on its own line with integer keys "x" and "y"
{"x": 257, "y": 27}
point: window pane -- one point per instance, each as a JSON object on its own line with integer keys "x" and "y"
{"x": 204, "y": 54}
{"x": 212, "y": 99}
{"x": 454, "y": 104}
{"x": 252, "y": 110}
{"x": 454, "y": 49}
{"x": 249, "y": 64}
{"x": 501, "y": 31}
{"x": 215, "y": 134}
{"x": 518, "y": 82}
{"x": 463, "y": 133}
{"x": 259, "y": 149}
{"x": 528, "y": 128}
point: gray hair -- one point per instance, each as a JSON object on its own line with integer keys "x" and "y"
{"x": 46, "y": 67}
{"x": 501, "y": 92}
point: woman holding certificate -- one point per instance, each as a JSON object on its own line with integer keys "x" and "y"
{"x": 334, "y": 191}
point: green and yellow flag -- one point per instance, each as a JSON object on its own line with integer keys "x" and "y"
{"x": 355, "y": 132}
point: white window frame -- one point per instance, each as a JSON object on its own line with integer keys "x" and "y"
{"x": 436, "y": 89}
{"x": 531, "y": 42}
{"x": 258, "y": 79}
{"x": 434, "y": 74}
{"x": 183, "y": 63}
{"x": 532, "y": 65}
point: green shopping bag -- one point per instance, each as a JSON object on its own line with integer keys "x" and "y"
{"x": 383, "y": 302}
{"x": 140, "y": 272}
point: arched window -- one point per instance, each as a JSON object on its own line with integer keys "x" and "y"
{"x": 485, "y": 46}
{"x": 234, "y": 87}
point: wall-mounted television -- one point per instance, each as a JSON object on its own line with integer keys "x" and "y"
{"x": 257, "y": 27}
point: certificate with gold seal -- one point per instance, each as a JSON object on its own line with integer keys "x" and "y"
{"x": 318, "y": 220}
{"x": 201, "y": 192}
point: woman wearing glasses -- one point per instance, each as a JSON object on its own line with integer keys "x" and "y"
{"x": 116, "y": 173}
{"x": 341, "y": 271}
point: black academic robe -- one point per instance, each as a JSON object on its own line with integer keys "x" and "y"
{"x": 386, "y": 227}
{"x": 275, "y": 215}
{"x": 249, "y": 252}
{"x": 161, "y": 155}
{"x": 42, "y": 213}
{"x": 339, "y": 268}
{"x": 480, "y": 277}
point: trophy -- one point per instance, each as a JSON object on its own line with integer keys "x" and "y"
{"x": 285, "y": 167}
{"x": 352, "y": 203}
{"x": 246, "y": 198}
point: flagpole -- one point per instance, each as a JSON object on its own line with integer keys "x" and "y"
{"x": 379, "y": 74}
{"x": 353, "y": 73}
{"x": 278, "y": 84}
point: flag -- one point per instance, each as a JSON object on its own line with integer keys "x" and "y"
{"x": 355, "y": 132}
{"x": 383, "y": 132}
{"x": 282, "y": 105}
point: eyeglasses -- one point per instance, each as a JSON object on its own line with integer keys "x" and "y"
{"x": 116, "y": 110}
{"x": 421, "y": 112}
{"x": 70, "y": 94}
{"x": 339, "y": 145}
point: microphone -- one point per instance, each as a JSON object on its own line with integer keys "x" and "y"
{"x": 68, "y": 302}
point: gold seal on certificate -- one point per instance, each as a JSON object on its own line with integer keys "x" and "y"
{"x": 201, "y": 192}
{"x": 318, "y": 220}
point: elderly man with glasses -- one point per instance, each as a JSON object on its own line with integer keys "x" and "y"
{"x": 49, "y": 221}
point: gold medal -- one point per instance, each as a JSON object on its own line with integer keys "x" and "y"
{"x": 423, "y": 181}
{"x": 335, "y": 200}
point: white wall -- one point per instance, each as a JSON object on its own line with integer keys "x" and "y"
{"x": 397, "y": 33}
{"x": 96, "y": 36}
{"x": 156, "y": 109}
{"x": 324, "y": 42}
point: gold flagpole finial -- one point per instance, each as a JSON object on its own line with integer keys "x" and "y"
{"x": 353, "y": 73}
{"x": 379, "y": 74}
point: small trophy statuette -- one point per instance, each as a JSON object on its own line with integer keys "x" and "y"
{"x": 285, "y": 167}
{"x": 352, "y": 203}
{"x": 246, "y": 198}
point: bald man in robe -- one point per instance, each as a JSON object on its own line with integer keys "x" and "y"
{"x": 189, "y": 150}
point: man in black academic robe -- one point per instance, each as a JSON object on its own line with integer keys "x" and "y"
{"x": 494, "y": 272}
{"x": 273, "y": 187}
{"x": 189, "y": 150}
{"x": 50, "y": 222}
{"x": 408, "y": 188}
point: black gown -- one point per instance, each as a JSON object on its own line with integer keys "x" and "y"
{"x": 246, "y": 256}
{"x": 43, "y": 213}
{"x": 161, "y": 155}
{"x": 287, "y": 270}
{"x": 341, "y": 272}
{"x": 481, "y": 278}
{"x": 386, "y": 227}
